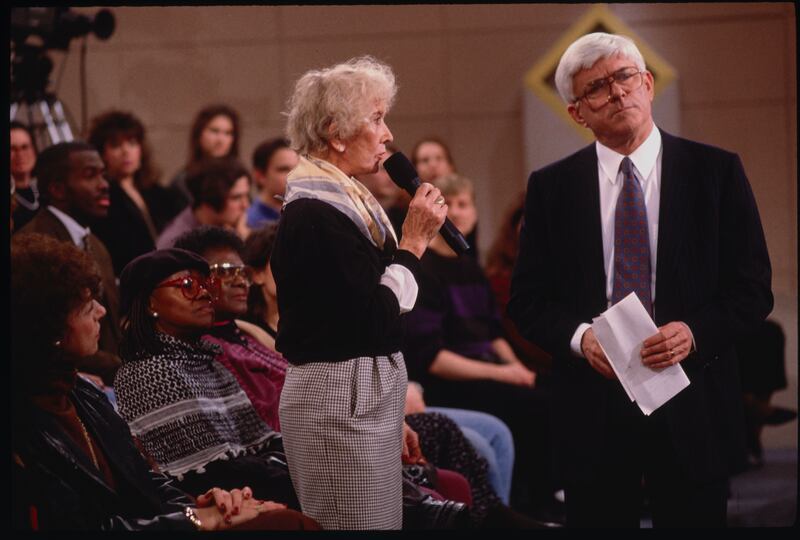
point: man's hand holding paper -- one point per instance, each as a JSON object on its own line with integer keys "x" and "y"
{"x": 627, "y": 335}
{"x": 670, "y": 345}
{"x": 594, "y": 354}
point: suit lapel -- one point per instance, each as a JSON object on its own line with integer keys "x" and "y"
{"x": 675, "y": 173}
{"x": 590, "y": 228}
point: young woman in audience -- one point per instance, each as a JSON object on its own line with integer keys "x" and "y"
{"x": 456, "y": 349}
{"x": 140, "y": 207}
{"x": 74, "y": 463}
{"x": 432, "y": 158}
{"x": 187, "y": 410}
{"x": 215, "y": 133}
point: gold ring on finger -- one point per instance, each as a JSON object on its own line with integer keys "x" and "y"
{"x": 439, "y": 200}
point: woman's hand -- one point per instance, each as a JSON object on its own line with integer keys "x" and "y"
{"x": 514, "y": 373}
{"x": 412, "y": 453}
{"x": 424, "y": 219}
{"x": 218, "y": 509}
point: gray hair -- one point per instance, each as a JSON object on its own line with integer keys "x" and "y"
{"x": 341, "y": 96}
{"x": 588, "y": 49}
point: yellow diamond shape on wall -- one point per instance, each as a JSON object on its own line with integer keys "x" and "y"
{"x": 541, "y": 77}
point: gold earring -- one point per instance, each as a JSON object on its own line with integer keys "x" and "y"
{"x": 154, "y": 315}
{"x": 57, "y": 343}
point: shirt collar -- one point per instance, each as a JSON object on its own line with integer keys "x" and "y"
{"x": 643, "y": 158}
{"x": 77, "y": 231}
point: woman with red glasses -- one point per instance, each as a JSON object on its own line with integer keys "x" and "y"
{"x": 187, "y": 411}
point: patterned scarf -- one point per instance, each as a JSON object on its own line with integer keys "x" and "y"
{"x": 315, "y": 178}
{"x": 186, "y": 409}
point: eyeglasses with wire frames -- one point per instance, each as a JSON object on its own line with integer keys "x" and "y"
{"x": 598, "y": 92}
{"x": 229, "y": 272}
{"x": 191, "y": 286}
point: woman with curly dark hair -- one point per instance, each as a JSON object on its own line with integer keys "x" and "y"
{"x": 140, "y": 207}
{"x": 215, "y": 133}
{"x": 74, "y": 463}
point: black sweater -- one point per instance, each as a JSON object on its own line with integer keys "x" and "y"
{"x": 331, "y": 302}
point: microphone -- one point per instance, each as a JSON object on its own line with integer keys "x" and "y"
{"x": 403, "y": 173}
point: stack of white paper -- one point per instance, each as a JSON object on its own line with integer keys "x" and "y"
{"x": 620, "y": 330}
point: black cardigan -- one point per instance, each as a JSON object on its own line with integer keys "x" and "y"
{"x": 331, "y": 302}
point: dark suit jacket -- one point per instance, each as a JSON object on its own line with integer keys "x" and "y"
{"x": 713, "y": 273}
{"x": 106, "y": 361}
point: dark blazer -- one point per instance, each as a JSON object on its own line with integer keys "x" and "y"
{"x": 106, "y": 361}
{"x": 713, "y": 273}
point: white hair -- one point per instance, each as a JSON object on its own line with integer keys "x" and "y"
{"x": 335, "y": 102}
{"x": 586, "y": 51}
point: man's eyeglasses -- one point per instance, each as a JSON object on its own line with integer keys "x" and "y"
{"x": 191, "y": 286}
{"x": 598, "y": 92}
{"x": 228, "y": 272}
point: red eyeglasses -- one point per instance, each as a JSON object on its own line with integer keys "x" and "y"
{"x": 192, "y": 285}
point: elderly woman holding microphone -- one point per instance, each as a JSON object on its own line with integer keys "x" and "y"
{"x": 343, "y": 285}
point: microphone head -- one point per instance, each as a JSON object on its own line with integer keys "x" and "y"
{"x": 402, "y": 172}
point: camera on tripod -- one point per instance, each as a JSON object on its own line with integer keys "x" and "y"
{"x": 34, "y": 30}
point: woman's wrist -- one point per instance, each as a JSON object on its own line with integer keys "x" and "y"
{"x": 191, "y": 515}
{"x": 417, "y": 247}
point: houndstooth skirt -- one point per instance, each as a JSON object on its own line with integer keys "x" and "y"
{"x": 342, "y": 433}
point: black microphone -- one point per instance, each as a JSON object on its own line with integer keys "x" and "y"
{"x": 405, "y": 175}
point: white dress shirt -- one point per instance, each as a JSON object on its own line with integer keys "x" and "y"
{"x": 646, "y": 160}
{"x": 77, "y": 232}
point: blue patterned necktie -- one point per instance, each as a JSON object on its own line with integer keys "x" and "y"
{"x": 631, "y": 242}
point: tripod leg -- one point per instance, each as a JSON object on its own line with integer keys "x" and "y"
{"x": 61, "y": 120}
{"x": 55, "y": 137}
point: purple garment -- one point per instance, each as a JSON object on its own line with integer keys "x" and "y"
{"x": 259, "y": 370}
{"x": 455, "y": 310}
{"x": 183, "y": 222}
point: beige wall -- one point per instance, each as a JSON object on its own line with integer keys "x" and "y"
{"x": 460, "y": 70}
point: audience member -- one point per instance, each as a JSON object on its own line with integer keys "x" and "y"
{"x": 75, "y": 194}
{"x": 499, "y": 267}
{"x": 74, "y": 463}
{"x": 215, "y": 133}
{"x": 220, "y": 190}
{"x": 246, "y": 350}
{"x": 433, "y": 159}
{"x": 23, "y": 161}
{"x": 456, "y": 350}
{"x": 262, "y": 300}
{"x": 187, "y": 410}
{"x": 488, "y": 435}
{"x": 272, "y": 162}
{"x": 140, "y": 207}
